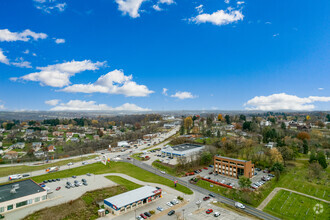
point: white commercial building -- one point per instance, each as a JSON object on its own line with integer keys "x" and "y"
{"x": 182, "y": 150}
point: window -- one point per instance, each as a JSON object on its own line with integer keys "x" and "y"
{"x": 29, "y": 201}
{"x": 37, "y": 199}
{"x": 10, "y": 207}
{"x": 2, "y": 209}
{"x": 44, "y": 197}
{"x": 20, "y": 204}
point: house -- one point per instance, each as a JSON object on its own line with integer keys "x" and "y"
{"x": 96, "y": 137}
{"x": 69, "y": 134}
{"x": 36, "y": 145}
{"x": 58, "y": 133}
{"x": 51, "y": 148}
{"x": 44, "y": 138}
{"x": 18, "y": 145}
{"x": 44, "y": 132}
{"x": 29, "y": 131}
{"x": 270, "y": 145}
{"x": 11, "y": 155}
{"x": 265, "y": 123}
{"x": 229, "y": 127}
{"x": 82, "y": 135}
{"x": 74, "y": 139}
{"x": 39, "y": 154}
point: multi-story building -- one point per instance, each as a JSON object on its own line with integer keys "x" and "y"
{"x": 233, "y": 167}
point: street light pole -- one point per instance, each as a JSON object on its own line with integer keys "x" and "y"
{"x": 183, "y": 213}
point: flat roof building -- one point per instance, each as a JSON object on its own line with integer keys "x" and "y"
{"x": 182, "y": 150}
{"x": 233, "y": 167}
{"x": 131, "y": 200}
{"x": 19, "y": 194}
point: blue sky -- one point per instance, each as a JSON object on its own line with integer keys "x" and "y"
{"x": 121, "y": 54}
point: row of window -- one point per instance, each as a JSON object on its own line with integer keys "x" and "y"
{"x": 23, "y": 203}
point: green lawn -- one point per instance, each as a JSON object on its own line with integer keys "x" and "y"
{"x": 124, "y": 182}
{"x": 170, "y": 170}
{"x": 6, "y": 171}
{"x": 291, "y": 206}
{"x": 114, "y": 167}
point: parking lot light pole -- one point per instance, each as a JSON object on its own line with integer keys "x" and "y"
{"x": 183, "y": 213}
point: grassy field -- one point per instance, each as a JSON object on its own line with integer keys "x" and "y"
{"x": 83, "y": 208}
{"x": 6, "y": 171}
{"x": 291, "y": 206}
{"x": 114, "y": 167}
{"x": 167, "y": 168}
{"x": 124, "y": 182}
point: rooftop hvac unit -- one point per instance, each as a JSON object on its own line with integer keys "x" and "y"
{"x": 15, "y": 186}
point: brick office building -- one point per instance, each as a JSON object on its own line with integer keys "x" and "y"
{"x": 233, "y": 167}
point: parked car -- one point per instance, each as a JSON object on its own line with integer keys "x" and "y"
{"x": 171, "y": 213}
{"x": 209, "y": 211}
{"x": 139, "y": 218}
{"x": 83, "y": 180}
{"x": 163, "y": 172}
{"x": 68, "y": 186}
{"x": 258, "y": 169}
{"x": 211, "y": 166}
{"x": 58, "y": 179}
{"x": 84, "y": 163}
{"x": 210, "y": 173}
{"x": 175, "y": 201}
{"x": 271, "y": 175}
{"x": 58, "y": 188}
{"x": 143, "y": 216}
{"x": 206, "y": 198}
{"x": 239, "y": 205}
{"x": 217, "y": 214}
{"x": 25, "y": 175}
{"x": 69, "y": 164}
{"x": 212, "y": 195}
{"x": 205, "y": 168}
{"x": 88, "y": 174}
{"x": 74, "y": 177}
{"x": 169, "y": 204}
{"x": 147, "y": 214}
{"x": 85, "y": 183}
{"x": 160, "y": 209}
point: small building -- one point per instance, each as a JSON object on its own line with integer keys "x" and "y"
{"x": 19, "y": 194}
{"x": 39, "y": 154}
{"x": 122, "y": 144}
{"x": 233, "y": 167}
{"x": 18, "y": 145}
{"x": 11, "y": 155}
{"x": 270, "y": 145}
{"x": 51, "y": 148}
{"x": 131, "y": 200}
{"x": 182, "y": 150}
{"x": 36, "y": 145}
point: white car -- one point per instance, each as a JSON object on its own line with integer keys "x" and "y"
{"x": 163, "y": 172}
{"x": 217, "y": 214}
{"x": 169, "y": 204}
{"x": 69, "y": 164}
{"x": 239, "y": 205}
{"x": 84, "y": 163}
{"x": 15, "y": 177}
{"x": 175, "y": 201}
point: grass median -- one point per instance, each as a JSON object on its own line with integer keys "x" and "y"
{"x": 6, "y": 171}
{"x": 124, "y": 182}
{"x": 114, "y": 167}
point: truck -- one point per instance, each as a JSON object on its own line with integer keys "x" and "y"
{"x": 15, "y": 177}
{"x": 52, "y": 169}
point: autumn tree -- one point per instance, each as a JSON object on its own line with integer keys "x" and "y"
{"x": 275, "y": 155}
{"x": 220, "y": 118}
{"x": 287, "y": 153}
{"x": 303, "y": 135}
{"x": 188, "y": 122}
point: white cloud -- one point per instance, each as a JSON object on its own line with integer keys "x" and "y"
{"x": 164, "y": 91}
{"x": 219, "y": 17}
{"x": 26, "y": 52}
{"x": 268, "y": 22}
{"x": 58, "y": 75}
{"x": 169, "y": 2}
{"x": 6, "y": 35}
{"x": 2, "y": 107}
{"x": 114, "y": 82}
{"x": 49, "y": 5}
{"x": 21, "y": 63}
{"x": 227, "y": 1}
{"x": 130, "y": 7}
{"x": 183, "y": 95}
{"x": 283, "y": 101}
{"x": 34, "y": 54}
{"x": 157, "y": 8}
{"x": 320, "y": 88}
{"x": 240, "y": 2}
{"x": 80, "y": 105}
{"x": 3, "y": 58}
{"x": 53, "y": 102}
{"x": 200, "y": 9}
{"x": 276, "y": 35}
{"x": 60, "y": 41}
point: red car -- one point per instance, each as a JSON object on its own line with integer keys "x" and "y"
{"x": 143, "y": 216}
{"x": 58, "y": 188}
{"x": 210, "y": 172}
{"x": 205, "y": 168}
{"x": 200, "y": 170}
{"x": 209, "y": 211}
{"x": 206, "y": 198}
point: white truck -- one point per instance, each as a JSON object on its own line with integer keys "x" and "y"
{"x": 52, "y": 169}
{"x": 15, "y": 177}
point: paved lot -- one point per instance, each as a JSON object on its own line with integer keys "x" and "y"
{"x": 63, "y": 195}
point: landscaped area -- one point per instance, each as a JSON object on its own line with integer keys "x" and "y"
{"x": 291, "y": 206}
{"x": 169, "y": 169}
{"x": 6, "y": 171}
{"x": 123, "y": 182}
{"x": 83, "y": 208}
{"x": 114, "y": 167}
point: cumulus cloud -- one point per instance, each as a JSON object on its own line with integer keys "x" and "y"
{"x": 227, "y": 1}
{"x": 240, "y": 2}
{"x": 183, "y": 95}
{"x": 50, "y": 5}
{"x": 114, "y": 82}
{"x": 7, "y": 35}
{"x": 169, "y": 2}
{"x": 53, "y": 102}
{"x": 157, "y": 8}
{"x": 130, "y": 7}
{"x": 58, "y": 75}
{"x": 320, "y": 88}
{"x": 200, "y": 9}
{"x": 81, "y": 105}
{"x": 20, "y": 62}
{"x": 60, "y": 41}
{"x": 3, "y": 58}
{"x": 283, "y": 101}
{"x": 220, "y": 17}
{"x": 164, "y": 91}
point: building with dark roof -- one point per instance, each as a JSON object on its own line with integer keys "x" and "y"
{"x": 233, "y": 167}
{"x": 19, "y": 194}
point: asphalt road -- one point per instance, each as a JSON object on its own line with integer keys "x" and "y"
{"x": 248, "y": 209}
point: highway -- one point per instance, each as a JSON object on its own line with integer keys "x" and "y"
{"x": 220, "y": 198}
